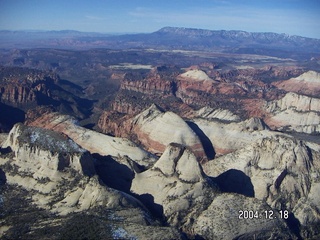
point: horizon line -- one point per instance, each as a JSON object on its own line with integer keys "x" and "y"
{"x": 124, "y": 33}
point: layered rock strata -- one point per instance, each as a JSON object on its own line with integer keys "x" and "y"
{"x": 227, "y": 137}
{"x": 156, "y": 129}
{"x": 280, "y": 170}
{"x": 191, "y": 201}
{"x": 307, "y": 83}
{"x": 58, "y": 180}
{"x": 294, "y": 112}
{"x": 93, "y": 141}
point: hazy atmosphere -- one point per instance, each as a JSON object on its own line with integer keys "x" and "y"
{"x": 142, "y": 119}
{"x": 294, "y": 17}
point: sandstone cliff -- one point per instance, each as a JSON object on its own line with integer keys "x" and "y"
{"x": 93, "y": 141}
{"x": 155, "y": 129}
{"x": 190, "y": 199}
{"x": 294, "y": 112}
{"x": 227, "y": 137}
{"x": 23, "y": 87}
{"x": 280, "y": 170}
{"x": 59, "y": 181}
{"x": 307, "y": 83}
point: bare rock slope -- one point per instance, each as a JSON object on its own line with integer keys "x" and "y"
{"x": 227, "y": 137}
{"x": 192, "y": 201}
{"x": 44, "y": 158}
{"x": 307, "y": 83}
{"x": 93, "y": 141}
{"x": 59, "y": 180}
{"x": 294, "y": 112}
{"x": 280, "y": 170}
{"x": 155, "y": 129}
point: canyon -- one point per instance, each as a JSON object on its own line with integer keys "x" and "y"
{"x": 180, "y": 140}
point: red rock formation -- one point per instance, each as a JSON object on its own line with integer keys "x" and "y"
{"x": 36, "y": 113}
{"x": 308, "y": 84}
{"x": 19, "y": 87}
{"x": 243, "y": 91}
{"x": 114, "y": 123}
{"x": 153, "y": 85}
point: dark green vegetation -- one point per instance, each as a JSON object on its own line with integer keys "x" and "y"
{"x": 26, "y": 221}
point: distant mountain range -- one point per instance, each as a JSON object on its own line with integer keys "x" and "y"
{"x": 264, "y": 43}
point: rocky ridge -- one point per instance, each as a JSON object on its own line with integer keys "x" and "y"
{"x": 294, "y": 112}
{"x": 175, "y": 188}
{"x": 61, "y": 176}
{"x": 177, "y": 183}
{"x": 307, "y": 83}
{"x": 282, "y": 171}
{"x": 227, "y": 137}
{"x": 93, "y": 141}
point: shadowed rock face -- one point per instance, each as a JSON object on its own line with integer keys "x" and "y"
{"x": 93, "y": 141}
{"x": 26, "y": 89}
{"x": 177, "y": 187}
{"x": 156, "y": 129}
{"x": 48, "y": 160}
{"x": 58, "y": 180}
{"x": 282, "y": 171}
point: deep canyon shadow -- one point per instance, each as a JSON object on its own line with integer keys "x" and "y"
{"x": 113, "y": 174}
{"x": 206, "y": 143}
{"x": 3, "y": 178}
{"x": 235, "y": 181}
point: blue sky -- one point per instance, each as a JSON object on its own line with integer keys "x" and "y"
{"x": 294, "y": 17}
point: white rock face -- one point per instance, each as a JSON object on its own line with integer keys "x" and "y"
{"x": 93, "y": 141}
{"x": 54, "y": 151}
{"x": 307, "y": 83}
{"x": 61, "y": 173}
{"x": 228, "y": 137}
{"x": 221, "y": 114}
{"x": 192, "y": 202}
{"x": 157, "y": 129}
{"x": 310, "y": 76}
{"x": 283, "y": 171}
{"x": 295, "y": 101}
{"x": 294, "y": 112}
{"x": 221, "y": 220}
{"x": 196, "y": 75}
{"x": 177, "y": 183}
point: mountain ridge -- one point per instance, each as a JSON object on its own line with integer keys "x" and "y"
{"x": 231, "y": 41}
{"x": 212, "y": 32}
{"x": 166, "y": 29}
